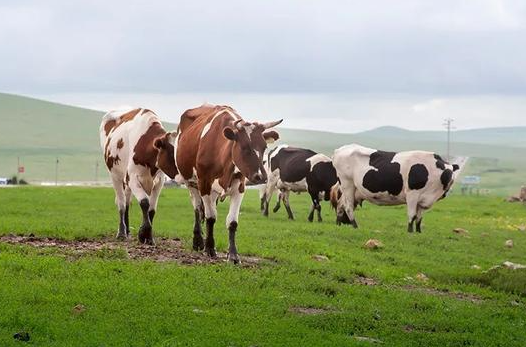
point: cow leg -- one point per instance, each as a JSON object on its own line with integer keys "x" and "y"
{"x": 419, "y": 213}
{"x": 209, "y": 201}
{"x": 262, "y": 199}
{"x": 269, "y": 191}
{"x": 198, "y": 242}
{"x": 154, "y": 196}
{"x": 120, "y": 201}
{"x": 232, "y": 221}
{"x": 286, "y": 202}
{"x": 127, "y": 193}
{"x": 278, "y": 203}
{"x": 348, "y": 205}
{"x": 412, "y": 207}
{"x": 145, "y": 231}
{"x": 318, "y": 208}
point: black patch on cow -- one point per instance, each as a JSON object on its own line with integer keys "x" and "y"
{"x": 441, "y": 164}
{"x": 292, "y": 163}
{"x": 321, "y": 179}
{"x": 387, "y": 177}
{"x": 445, "y": 178}
{"x": 418, "y": 176}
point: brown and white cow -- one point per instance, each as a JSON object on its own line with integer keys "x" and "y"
{"x": 138, "y": 153}
{"x": 216, "y": 151}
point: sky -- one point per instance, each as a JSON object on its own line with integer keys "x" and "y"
{"x": 334, "y": 65}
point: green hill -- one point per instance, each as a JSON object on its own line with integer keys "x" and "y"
{"x": 38, "y": 132}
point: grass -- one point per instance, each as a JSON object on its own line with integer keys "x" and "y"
{"x": 143, "y": 303}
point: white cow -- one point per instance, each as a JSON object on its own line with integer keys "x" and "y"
{"x": 415, "y": 178}
{"x": 138, "y": 153}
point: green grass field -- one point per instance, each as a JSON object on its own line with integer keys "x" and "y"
{"x": 289, "y": 300}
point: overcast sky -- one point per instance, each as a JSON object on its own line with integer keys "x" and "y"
{"x": 338, "y": 65}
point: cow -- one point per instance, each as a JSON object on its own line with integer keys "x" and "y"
{"x": 298, "y": 170}
{"x": 138, "y": 152}
{"x": 215, "y": 151}
{"x": 415, "y": 178}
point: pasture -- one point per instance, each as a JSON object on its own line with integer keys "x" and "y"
{"x": 312, "y": 284}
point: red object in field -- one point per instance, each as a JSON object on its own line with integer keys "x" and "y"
{"x": 21, "y": 169}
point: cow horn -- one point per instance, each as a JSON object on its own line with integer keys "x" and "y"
{"x": 237, "y": 124}
{"x": 269, "y": 125}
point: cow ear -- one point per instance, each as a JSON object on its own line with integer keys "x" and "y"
{"x": 230, "y": 133}
{"x": 455, "y": 167}
{"x": 158, "y": 143}
{"x": 270, "y": 136}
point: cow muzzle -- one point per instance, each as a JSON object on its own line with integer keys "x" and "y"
{"x": 258, "y": 178}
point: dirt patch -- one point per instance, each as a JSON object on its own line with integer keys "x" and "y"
{"x": 165, "y": 250}
{"x": 308, "y": 310}
{"x": 445, "y": 293}
{"x": 365, "y": 281}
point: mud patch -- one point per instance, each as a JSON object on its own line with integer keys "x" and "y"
{"x": 365, "y": 281}
{"x": 165, "y": 250}
{"x": 445, "y": 293}
{"x": 308, "y": 310}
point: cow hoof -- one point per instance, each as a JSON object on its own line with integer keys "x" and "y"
{"x": 122, "y": 236}
{"x": 354, "y": 224}
{"x": 147, "y": 241}
{"x": 310, "y": 219}
{"x": 276, "y": 209}
{"x": 198, "y": 244}
{"x": 234, "y": 258}
{"x": 320, "y": 220}
{"x": 211, "y": 252}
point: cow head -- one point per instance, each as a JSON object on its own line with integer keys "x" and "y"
{"x": 338, "y": 203}
{"x": 250, "y": 142}
{"x": 448, "y": 177}
{"x": 165, "y": 154}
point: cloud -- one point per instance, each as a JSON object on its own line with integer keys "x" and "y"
{"x": 418, "y": 47}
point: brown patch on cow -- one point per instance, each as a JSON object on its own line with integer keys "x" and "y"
{"x": 165, "y": 250}
{"x": 165, "y": 155}
{"x": 120, "y": 143}
{"x": 109, "y": 126}
{"x": 335, "y": 195}
{"x": 128, "y": 116}
{"x": 145, "y": 153}
{"x": 110, "y": 161}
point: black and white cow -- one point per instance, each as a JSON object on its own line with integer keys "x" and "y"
{"x": 298, "y": 170}
{"x": 415, "y": 178}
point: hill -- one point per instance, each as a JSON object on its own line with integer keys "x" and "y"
{"x": 39, "y": 132}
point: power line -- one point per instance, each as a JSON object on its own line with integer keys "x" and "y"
{"x": 448, "y": 125}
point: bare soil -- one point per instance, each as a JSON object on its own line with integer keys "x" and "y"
{"x": 165, "y": 249}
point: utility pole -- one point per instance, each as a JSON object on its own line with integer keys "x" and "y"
{"x": 447, "y": 124}
{"x": 56, "y": 172}
{"x": 17, "y": 168}
{"x": 96, "y": 171}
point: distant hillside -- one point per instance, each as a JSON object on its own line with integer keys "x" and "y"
{"x": 39, "y": 132}
{"x": 510, "y": 136}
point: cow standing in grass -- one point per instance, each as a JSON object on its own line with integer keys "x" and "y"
{"x": 415, "y": 178}
{"x": 216, "y": 151}
{"x": 138, "y": 153}
{"x": 298, "y": 170}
